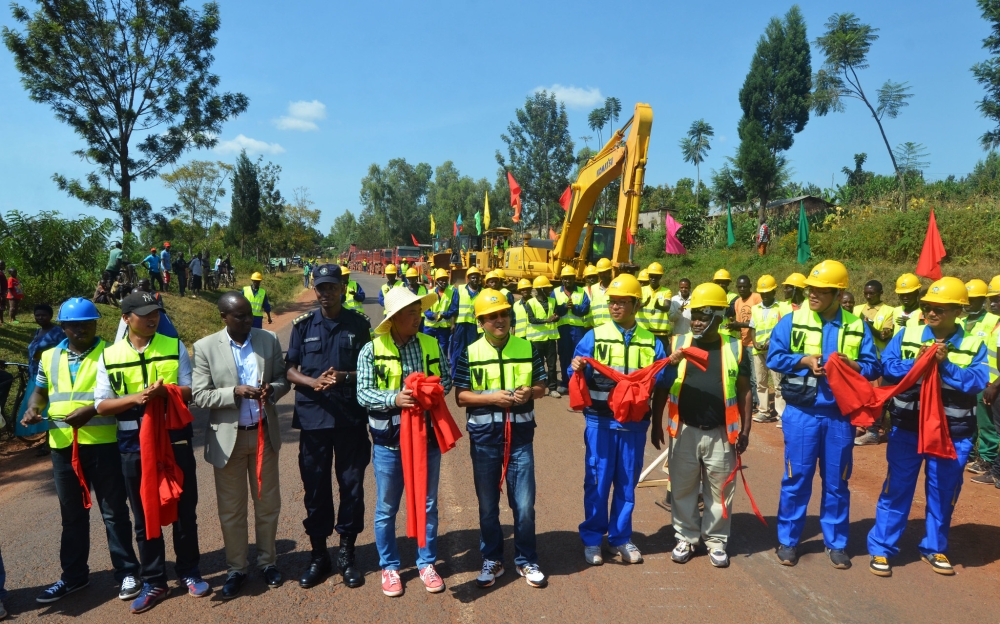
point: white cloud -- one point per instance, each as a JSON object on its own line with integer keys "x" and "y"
{"x": 253, "y": 146}
{"x": 302, "y": 116}
{"x": 574, "y": 97}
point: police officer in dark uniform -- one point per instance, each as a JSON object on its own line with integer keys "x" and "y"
{"x": 322, "y": 363}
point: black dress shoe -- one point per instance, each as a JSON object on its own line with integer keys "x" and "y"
{"x": 273, "y": 576}
{"x": 233, "y": 586}
{"x": 319, "y": 568}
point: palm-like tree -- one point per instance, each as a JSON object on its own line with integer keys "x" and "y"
{"x": 694, "y": 148}
{"x": 596, "y": 120}
{"x": 586, "y": 140}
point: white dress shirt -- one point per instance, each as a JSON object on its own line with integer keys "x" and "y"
{"x": 246, "y": 369}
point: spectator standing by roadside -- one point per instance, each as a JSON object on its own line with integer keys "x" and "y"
{"x": 115, "y": 259}
{"x": 46, "y": 336}
{"x": 165, "y": 265}
{"x": 306, "y": 269}
{"x": 14, "y": 295}
{"x": 197, "y": 270}
{"x": 180, "y": 270}
{"x": 152, "y": 262}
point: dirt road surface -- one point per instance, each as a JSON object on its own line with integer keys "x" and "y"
{"x": 754, "y": 588}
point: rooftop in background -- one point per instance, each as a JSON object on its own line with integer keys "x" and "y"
{"x": 811, "y": 202}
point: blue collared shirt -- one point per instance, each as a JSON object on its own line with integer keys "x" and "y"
{"x": 246, "y": 370}
{"x": 971, "y": 380}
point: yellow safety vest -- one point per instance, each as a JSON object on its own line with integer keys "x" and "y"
{"x": 732, "y": 351}
{"x": 520, "y": 319}
{"x": 441, "y": 306}
{"x": 764, "y": 320}
{"x": 491, "y": 372}
{"x": 991, "y": 353}
{"x": 349, "y": 301}
{"x": 576, "y": 298}
{"x": 388, "y": 369}
{"x": 610, "y": 350}
{"x": 466, "y": 311}
{"x": 984, "y": 326}
{"x": 256, "y": 301}
{"x": 542, "y": 331}
{"x": 955, "y": 404}
{"x": 66, "y": 396}
{"x": 916, "y": 319}
{"x": 658, "y": 321}
{"x": 807, "y": 339}
{"x": 130, "y": 372}
{"x": 599, "y": 305}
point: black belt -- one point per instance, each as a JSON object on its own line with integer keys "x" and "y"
{"x": 252, "y": 427}
{"x": 703, "y": 427}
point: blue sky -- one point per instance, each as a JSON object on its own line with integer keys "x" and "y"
{"x": 336, "y": 86}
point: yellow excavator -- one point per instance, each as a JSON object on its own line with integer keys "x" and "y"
{"x": 581, "y": 242}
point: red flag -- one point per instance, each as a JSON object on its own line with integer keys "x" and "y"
{"x": 566, "y": 199}
{"x": 515, "y": 197}
{"x": 929, "y": 264}
{"x": 455, "y": 233}
{"x": 552, "y": 234}
{"x": 414, "y": 240}
{"x": 629, "y": 237}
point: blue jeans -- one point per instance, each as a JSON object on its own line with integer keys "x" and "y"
{"x": 614, "y": 457}
{"x": 942, "y": 484}
{"x": 388, "y": 466}
{"x": 305, "y": 280}
{"x": 487, "y": 465}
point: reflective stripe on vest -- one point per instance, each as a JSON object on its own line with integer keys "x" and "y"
{"x": 441, "y": 306}
{"x": 388, "y": 369}
{"x": 610, "y": 349}
{"x": 466, "y": 311}
{"x": 130, "y": 371}
{"x": 491, "y": 372}
{"x": 764, "y": 320}
{"x": 599, "y": 306}
{"x": 349, "y": 301}
{"x": 807, "y": 338}
{"x": 991, "y": 353}
{"x": 732, "y": 351}
{"x": 907, "y": 405}
{"x": 658, "y": 321}
{"x": 256, "y": 301}
{"x": 563, "y": 300}
{"x": 540, "y": 332}
{"x": 66, "y": 395}
{"x": 520, "y": 319}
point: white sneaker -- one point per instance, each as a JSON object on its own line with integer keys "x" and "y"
{"x": 533, "y": 575}
{"x": 719, "y": 558}
{"x": 629, "y": 553}
{"x": 488, "y": 576}
{"x": 555, "y": 395}
{"x": 593, "y": 555}
{"x": 130, "y": 588}
{"x": 682, "y": 552}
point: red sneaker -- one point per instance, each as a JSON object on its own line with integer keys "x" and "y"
{"x": 391, "y": 584}
{"x": 432, "y": 581}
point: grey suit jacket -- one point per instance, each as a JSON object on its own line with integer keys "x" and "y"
{"x": 214, "y": 377}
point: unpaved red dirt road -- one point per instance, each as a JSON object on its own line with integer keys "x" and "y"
{"x": 754, "y": 588}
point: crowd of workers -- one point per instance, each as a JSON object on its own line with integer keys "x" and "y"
{"x": 118, "y": 420}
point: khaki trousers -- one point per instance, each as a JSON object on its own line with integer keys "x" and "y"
{"x": 231, "y": 494}
{"x": 768, "y": 384}
{"x": 700, "y": 462}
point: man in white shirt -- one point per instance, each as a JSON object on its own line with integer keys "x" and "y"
{"x": 679, "y": 315}
{"x": 197, "y": 271}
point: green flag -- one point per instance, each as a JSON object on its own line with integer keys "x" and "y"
{"x": 730, "y": 237}
{"x": 803, "y": 235}
{"x": 479, "y": 223}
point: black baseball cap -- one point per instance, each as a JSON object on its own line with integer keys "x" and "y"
{"x": 327, "y": 274}
{"x": 140, "y": 303}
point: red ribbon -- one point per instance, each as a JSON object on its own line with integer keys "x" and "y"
{"x": 162, "y": 479}
{"x": 746, "y": 486}
{"x": 260, "y": 443}
{"x": 78, "y": 469}
{"x": 506, "y": 446}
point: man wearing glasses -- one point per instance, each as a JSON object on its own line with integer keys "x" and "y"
{"x": 962, "y": 364}
{"x": 814, "y": 430}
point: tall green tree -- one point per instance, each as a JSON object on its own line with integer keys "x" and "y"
{"x": 199, "y": 186}
{"x": 596, "y": 121}
{"x": 132, "y": 78}
{"x": 244, "y": 221}
{"x": 695, "y": 146}
{"x": 912, "y": 157}
{"x": 343, "y": 233}
{"x": 845, "y": 46}
{"x": 613, "y": 110}
{"x": 395, "y": 204}
{"x": 775, "y": 102}
{"x": 987, "y": 74}
{"x": 540, "y": 155}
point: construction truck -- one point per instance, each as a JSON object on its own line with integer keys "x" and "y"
{"x": 459, "y": 254}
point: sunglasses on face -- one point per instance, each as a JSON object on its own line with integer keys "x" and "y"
{"x": 493, "y": 316}
{"x": 937, "y": 310}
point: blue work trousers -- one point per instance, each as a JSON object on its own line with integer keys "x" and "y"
{"x": 464, "y": 335}
{"x": 388, "y": 464}
{"x": 443, "y": 335}
{"x": 809, "y": 439}
{"x": 614, "y": 457}
{"x": 569, "y": 335}
{"x": 942, "y": 484}
{"x": 487, "y": 466}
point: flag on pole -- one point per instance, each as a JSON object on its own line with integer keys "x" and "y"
{"x": 414, "y": 240}
{"x": 552, "y": 234}
{"x": 515, "y": 197}
{"x": 479, "y": 224}
{"x": 803, "y": 245}
{"x": 455, "y": 232}
{"x": 432, "y": 226}
{"x": 730, "y": 237}
{"x": 929, "y": 264}
{"x": 566, "y": 199}
{"x": 486, "y": 211}
{"x": 458, "y": 222}
{"x": 674, "y": 245}
{"x": 629, "y": 237}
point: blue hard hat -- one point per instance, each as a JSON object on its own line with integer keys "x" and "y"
{"x": 78, "y": 309}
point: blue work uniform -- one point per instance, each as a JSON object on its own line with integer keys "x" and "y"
{"x": 817, "y": 433}
{"x": 570, "y": 335}
{"x": 614, "y": 457}
{"x": 943, "y": 477}
{"x": 382, "y": 291}
{"x": 332, "y": 424}
{"x": 443, "y": 334}
{"x": 463, "y": 334}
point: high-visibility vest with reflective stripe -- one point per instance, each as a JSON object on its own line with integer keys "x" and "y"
{"x": 349, "y": 301}
{"x": 130, "y": 372}
{"x": 658, "y": 321}
{"x": 807, "y": 339}
{"x": 441, "y": 306}
{"x": 732, "y": 351}
{"x": 576, "y": 298}
{"x": 520, "y": 319}
{"x": 466, "y": 310}
{"x": 957, "y": 405}
{"x": 764, "y": 320}
{"x": 785, "y": 307}
{"x": 599, "y": 305}
{"x": 66, "y": 396}
{"x": 991, "y": 352}
{"x": 640, "y": 313}
{"x": 386, "y": 287}
{"x": 916, "y": 319}
{"x": 984, "y": 326}
{"x": 610, "y": 349}
{"x": 388, "y": 369}
{"x": 491, "y": 372}
{"x": 542, "y": 331}
{"x": 256, "y": 301}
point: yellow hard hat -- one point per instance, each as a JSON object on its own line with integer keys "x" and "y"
{"x": 976, "y": 288}
{"x": 947, "y": 290}
{"x": 590, "y": 270}
{"x": 542, "y": 282}
{"x": 256, "y": 277}
{"x": 345, "y": 271}
{"x": 500, "y": 273}
{"x": 625, "y": 285}
{"x": 907, "y": 283}
{"x": 828, "y": 274}
{"x": 491, "y": 275}
{"x": 489, "y": 300}
{"x": 390, "y": 269}
{"x": 411, "y": 272}
{"x": 655, "y": 269}
{"x": 795, "y": 279}
{"x": 766, "y": 283}
{"x": 994, "y": 287}
{"x": 474, "y": 270}
{"x": 708, "y": 295}
{"x": 440, "y": 273}
{"x": 567, "y": 271}
{"x": 722, "y": 274}
{"x": 644, "y": 275}
{"x": 524, "y": 283}
{"x": 603, "y": 264}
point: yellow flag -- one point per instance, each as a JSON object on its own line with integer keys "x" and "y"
{"x": 432, "y": 225}
{"x": 486, "y": 212}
